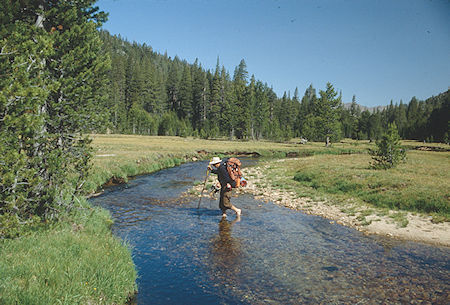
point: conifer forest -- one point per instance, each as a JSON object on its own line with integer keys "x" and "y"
{"x": 153, "y": 94}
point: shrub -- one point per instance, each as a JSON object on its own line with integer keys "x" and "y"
{"x": 388, "y": 152}
{"x": 303, "y": 177}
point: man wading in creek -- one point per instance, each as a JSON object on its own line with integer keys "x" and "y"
{"x": 229, "y": 174}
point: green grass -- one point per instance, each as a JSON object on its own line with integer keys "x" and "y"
{"x": 400, "y": 219}
{"x": 77, "y": 261}
{"x": 122, "y": 156}
{"x": 419, "y": 185}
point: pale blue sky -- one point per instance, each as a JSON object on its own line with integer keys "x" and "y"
{"x": 378, "y": 50}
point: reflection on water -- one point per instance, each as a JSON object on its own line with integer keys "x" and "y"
{"x": 225, "y": 255}
{"x": 273, "y": 255}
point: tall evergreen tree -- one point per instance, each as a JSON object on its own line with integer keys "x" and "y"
{"x": 241, "y": 119}
{"x": 227, "y": 103}
{"x": 251, "y": 104}
{"x": 173, "y": 84}
{"x": 261, "y": 110}
{"x": 439, "y": 121}
{"x": 199, "y": 90}
{"x": 326, "y": 110}
{"x": 24, "y": 88}
{"x": 364, "y": 125}
{"x": 216, "y": 87}
{"x": 186, "y": 97}
{"x": 305, "y": 117}
{"x": 57, "y": 96}
{"x": 412, "y": 117}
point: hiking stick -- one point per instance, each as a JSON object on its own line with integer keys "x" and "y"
{"x": 204, "y": 184}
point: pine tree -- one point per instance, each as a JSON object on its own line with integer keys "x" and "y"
{"x": 326, "y": 111}
{"x": 251, "y": 104}
{"x": 49, "y": 105}
{"x": 173, "y": 84}
{"x": 364, "y": 125}
{"x": 413, "y": 116}
{"x": 439, "y": 120}
{"x": 24, "y": 88}
{"x": 304, "y": 117}
{"x": 355, "y": 112}
{"x": 227, "y": 102}
{"x": 149, "y": 98}
{"x": 347, "y": 123}
{"x": 117, "y": 108}
{"x": 241, "y": 119}
{"x": 400, "y": 118}
{"x": 261, "y": 110}
{"x": 186, "y": 97}
{"x": 216, "y": 91}
{"x": 78, "y": 67}
{"x": 388, "y": 152}
{"x": 199, "y": 96}
{"x": 376, "y": 129}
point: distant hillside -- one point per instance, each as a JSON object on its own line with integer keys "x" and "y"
{"x": 364, "y": 108}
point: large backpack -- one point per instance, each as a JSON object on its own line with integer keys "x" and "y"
{"x": 234, "y": 170}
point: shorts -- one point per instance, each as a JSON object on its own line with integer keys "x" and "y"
{"x": 224, "y": 202}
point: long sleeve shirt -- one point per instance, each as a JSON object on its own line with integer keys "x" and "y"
{"x": 223, "y": 175}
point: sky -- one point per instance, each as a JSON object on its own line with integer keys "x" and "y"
{"x": 377, "y": 50}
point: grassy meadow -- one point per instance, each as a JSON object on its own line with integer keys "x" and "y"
{"x": 419, "y": 185}
{"x": 122, "y": 156}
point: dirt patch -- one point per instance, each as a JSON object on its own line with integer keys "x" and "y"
{"x": 232, "y": 153}
{"x": 292, "y": 154}
{"x": 431, "y": 148}
{"x": 114, "y": 181}
{"x": 243, "y": 154}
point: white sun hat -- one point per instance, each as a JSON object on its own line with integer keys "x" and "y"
{"x": 215, "y": 160}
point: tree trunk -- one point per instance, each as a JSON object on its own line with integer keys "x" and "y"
{"x": 231, "y": 133}
{"x": 327, "y": 143}
{"x": 253, "y": 131}
{"x": 40, "y": 18}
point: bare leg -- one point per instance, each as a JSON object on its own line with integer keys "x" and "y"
{"x": 238, "y": 211}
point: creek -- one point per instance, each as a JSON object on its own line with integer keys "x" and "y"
{"x": 271, "y": 255}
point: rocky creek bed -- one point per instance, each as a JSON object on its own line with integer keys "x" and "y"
{"x": 270, "y": 255}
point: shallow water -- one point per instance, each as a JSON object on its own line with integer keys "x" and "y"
{"x": 272, "y": 255}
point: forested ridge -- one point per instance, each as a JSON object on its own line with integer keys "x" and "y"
{"x": 153, "y": 94}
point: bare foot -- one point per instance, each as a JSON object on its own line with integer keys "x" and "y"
{"x": 224, "y": 215}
